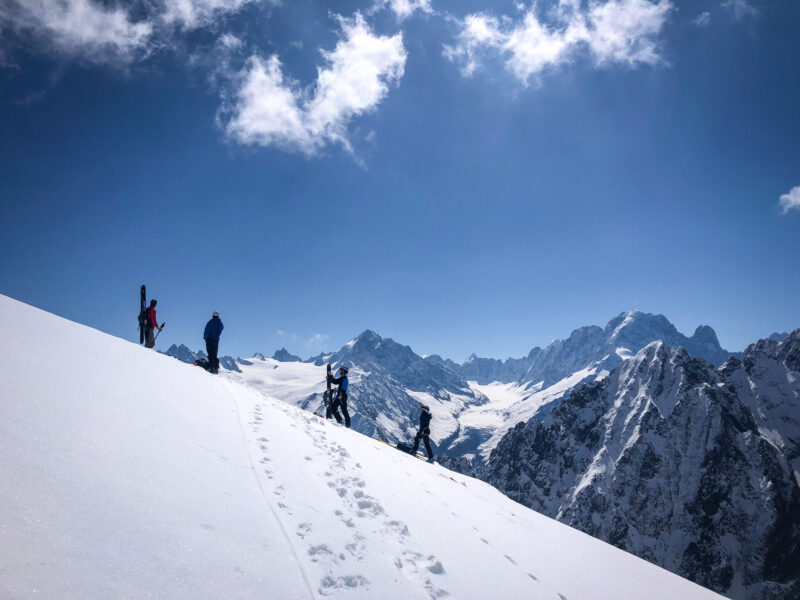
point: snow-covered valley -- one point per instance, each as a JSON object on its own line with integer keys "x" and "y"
{"x": 127, "y": 474}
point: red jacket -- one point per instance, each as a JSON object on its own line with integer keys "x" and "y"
{"x": 151, "y": 317}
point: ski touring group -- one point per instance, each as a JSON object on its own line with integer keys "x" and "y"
{"x": 334, "y": 400}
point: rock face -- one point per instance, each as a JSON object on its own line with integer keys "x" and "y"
{"x": 284, "y": 355}
{"x": 681, "y": 464}
{"x": 488, "y": 370}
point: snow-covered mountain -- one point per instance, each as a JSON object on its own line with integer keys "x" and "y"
{"x": 474, "y": 403}
{"x": 185, "y": 485}
{"x": 623, "y": 336}
{"x": 284, "y": 355}
{"x": 388, "y": 383}
{"x": 676, "y": 462}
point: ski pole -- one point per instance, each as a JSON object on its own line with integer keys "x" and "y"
{"x": 159, "y": 331}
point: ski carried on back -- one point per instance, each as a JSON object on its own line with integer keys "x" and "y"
{"x": 142, "y": 313}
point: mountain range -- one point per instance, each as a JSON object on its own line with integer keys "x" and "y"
{"x": 476, "y": 402}
{"x": 693, "y": 468}
{"x": 665, "y": 445}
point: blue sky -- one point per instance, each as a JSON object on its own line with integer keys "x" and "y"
{"x": 461, "y": 176}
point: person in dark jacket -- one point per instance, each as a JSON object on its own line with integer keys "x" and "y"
{"x": 152, "y": 324}
{"x": 424, "y": 432}
{"x": 211, "y": 335}
{"x": 340, "y": 398}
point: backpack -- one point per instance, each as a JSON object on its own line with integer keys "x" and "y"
{"x": 202, "y": 362}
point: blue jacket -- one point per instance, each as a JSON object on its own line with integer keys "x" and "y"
{"x": 214, "y": 329}
{"x": 342, "y": 382}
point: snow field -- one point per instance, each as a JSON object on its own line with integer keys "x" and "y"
{"x": 127, "y": 474}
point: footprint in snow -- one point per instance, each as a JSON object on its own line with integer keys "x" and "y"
{"x": 321, "y": 553}
{"x": 397, "y": 527}
{"x": 511, "y": 560}
{"x": 303, "y": 530}
{"x": 330, "y": 584}
{"x": 419, "y": 569}
{"x": 368, "y": 506}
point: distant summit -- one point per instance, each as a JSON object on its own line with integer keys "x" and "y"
{"x": 284, "y": 355}
{"x": 621, "y": 338}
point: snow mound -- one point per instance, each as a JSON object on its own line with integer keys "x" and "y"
{"x": 127, "y": 474}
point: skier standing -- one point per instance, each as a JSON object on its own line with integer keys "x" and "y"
{"x": 211, "y": 335}
{"x": 340, "y": 398}
{"x": 424, "y": 432}
{"x": 152, "y": 323}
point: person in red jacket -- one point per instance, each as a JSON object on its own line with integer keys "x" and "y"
{"x": 152, "y": 323}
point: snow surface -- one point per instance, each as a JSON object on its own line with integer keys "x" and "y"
{"x": 523, "y": 410}
{"x": 128, "y": 474}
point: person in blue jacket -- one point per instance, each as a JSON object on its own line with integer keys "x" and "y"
{"x": 340, "y": 398}
{"x": 211, "y": 335}
{"x": 424, "y": 432}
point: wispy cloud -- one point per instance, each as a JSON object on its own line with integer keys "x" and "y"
{"x": 192, "y": 14}
{"x": 702, "y": 20}
{"x": 404, "y": 8}
{"x": 317, "y": 339}
{"x": 78, "y": 28}
{"x": 106, "y": 33}
{"x": 268, "y": 108}
{"x": 790, "y": 200}
{"x": 616, "y": 31}
{"x": 741, "y": 9}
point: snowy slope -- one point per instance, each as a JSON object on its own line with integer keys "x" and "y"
{"x": 127, "y": 474}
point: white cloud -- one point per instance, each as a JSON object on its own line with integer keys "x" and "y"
{"x": 741, "y": 9}
{"x": 106, "y": 32}
{"x": 317, "y": 339}
{"x": 268, "y": 108}
{"x": 790, "y": 200}
{"x": 191, "y": 14}
{"x": 405, "y": 8}
{"x": 702, "y": 20}
{"x": 616, "y": 31}
{"x": 79, "y": 27}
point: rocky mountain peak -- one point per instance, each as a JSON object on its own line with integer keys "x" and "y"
{"x": 368, "y": 337}
{"x": 283, "y": 355}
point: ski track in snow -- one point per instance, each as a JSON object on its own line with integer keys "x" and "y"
{"x": 261, "y": 487}
{"x": 353, "y": 502}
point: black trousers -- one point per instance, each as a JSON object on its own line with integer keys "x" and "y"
{"x": 333, "y": 409}
{"x": 212, "y": 347}
{"x": 423, "y": 434}
{"x": 149, "y": 338}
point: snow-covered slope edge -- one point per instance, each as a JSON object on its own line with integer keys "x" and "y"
{"x": 128, "y": 474}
